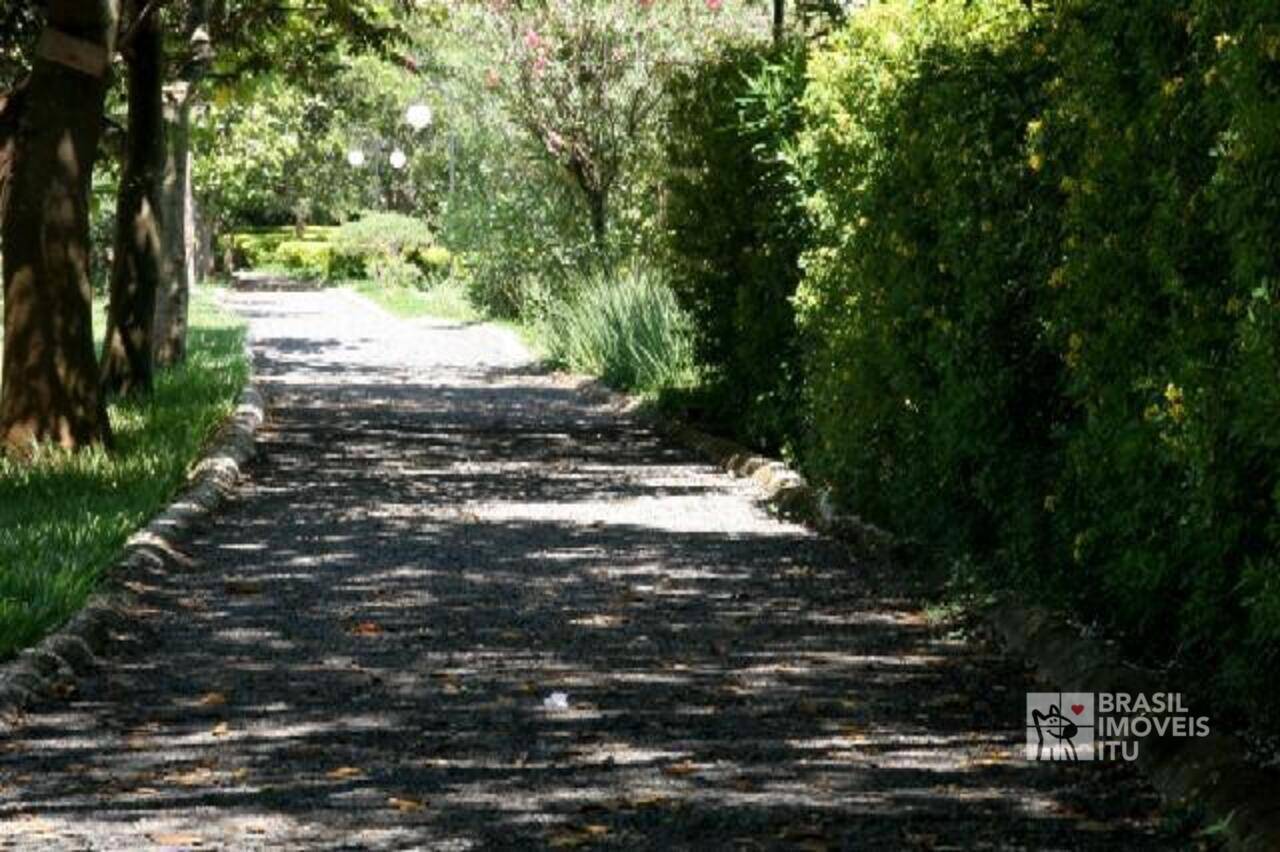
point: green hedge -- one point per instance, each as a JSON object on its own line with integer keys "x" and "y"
{"x": 390, "y": 248}
{"x": 1040, "y": 305}
{"x": 1037, "y": 311}
{"x": 734, "y": 229}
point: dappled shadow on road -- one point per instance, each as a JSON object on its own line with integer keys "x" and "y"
{"x": 359, "y": 652}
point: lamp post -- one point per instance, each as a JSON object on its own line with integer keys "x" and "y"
{"x": 418, "y": 117}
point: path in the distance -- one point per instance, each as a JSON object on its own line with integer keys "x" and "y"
{"x": 436, "y": 538}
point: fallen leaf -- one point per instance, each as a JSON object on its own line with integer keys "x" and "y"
{"x": 405, "y": 805}
{"x": 212, "y": 699}
{"x": 242, "y": 587}
{"x": 578, "y": 835}
{"x": 344, "y": 772}
{"x": 221, "y": 729}
{"x": 196, "y": 777}
{"x": 652, "y": 800}
{"x": 366, "y": 628}
{"x": 176, "y": 839}
{"x": 680, "y": 769}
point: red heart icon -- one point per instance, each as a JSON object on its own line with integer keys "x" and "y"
{"x": 1077, "y": 709}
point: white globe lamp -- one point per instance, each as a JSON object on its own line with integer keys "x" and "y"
{"x": 418, "y": 116}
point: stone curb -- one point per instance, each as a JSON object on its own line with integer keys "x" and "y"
{"x": 50, "y": 667}
{"x": 1212, "y": 771}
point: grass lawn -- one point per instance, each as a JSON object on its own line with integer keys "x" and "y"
{"x": 64, "y": 518}
{"x": 447, "y": 301}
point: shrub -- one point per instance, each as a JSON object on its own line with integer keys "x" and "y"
{"x": 627, "y": 329}
{"x": 381, "y": 245}
{"x": 735, "y": 231}
{"x": 1039, "y": 313}
{"x": 311, "y": 260}
{"x": 258, "y": 247}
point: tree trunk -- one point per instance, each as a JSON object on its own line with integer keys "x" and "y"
{"x": 779, "y": 20}
{"x": 170, "y": 331}
{"x": 598, "y": 204}
{"x": 180, "y": 236}
{"x": 49, "y": 388}
{"x": 138, "y": 267}
{"x": 11, "y": 106}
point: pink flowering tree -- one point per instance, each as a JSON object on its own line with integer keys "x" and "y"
{"x": 585, "y": 78}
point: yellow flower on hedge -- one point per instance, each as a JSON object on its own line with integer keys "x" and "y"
{"x": 1074, "y": 344}
{"x": 1224, "y": 40}
{"x": 1173, "y": 394}
{"x": 1035, "y": 162}
{"x": 1034, "y": 128}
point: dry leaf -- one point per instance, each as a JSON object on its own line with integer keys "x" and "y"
{"x": 221, "y": 729}
{"x": 405, "y": 805}
{"x": 344, "y": 772}
{"x": 578, "y": 835}
{"x": 652, "y": 800}
{"x": 212, "y": 699}
{"x": 242, "y": 587}
{"x": 176, "y": 839}
{"x": 679, "y": 769}
{"x": 196, "y": 777}
{"x": 366, "y": 628}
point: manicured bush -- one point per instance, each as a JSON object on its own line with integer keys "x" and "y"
{"x": 310, "y": 260}
{"x": 734, "y": 230}
{"x": 1039, "y": 311}
{"x": 391, "y": 248}
{"x": 257, "y": 247}
{"x": 1162, "y": 135}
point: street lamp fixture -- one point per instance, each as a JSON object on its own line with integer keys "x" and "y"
{"x": 418, "y": 116}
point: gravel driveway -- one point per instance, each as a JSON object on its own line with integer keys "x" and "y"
{"x": 437, "y": 538}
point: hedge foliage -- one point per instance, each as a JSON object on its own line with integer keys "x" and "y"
{"x": 390, "y": 248}
{"x": 734, "y": 229}
{"x": 1037, "y": 320}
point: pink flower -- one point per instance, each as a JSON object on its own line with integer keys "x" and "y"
{"x": 714, "y": 5}
{"x": 532, "y": 40}
{"x": 539, "y": 65}
{"x": 645, "y": 4}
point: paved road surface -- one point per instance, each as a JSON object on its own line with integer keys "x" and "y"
{"x": 436, "y": 538}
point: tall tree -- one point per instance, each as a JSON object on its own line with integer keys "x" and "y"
{"x": 173, "y": 299}
{"x": 49, "y": 389}
{"x": 138, "y": 263}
